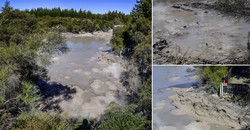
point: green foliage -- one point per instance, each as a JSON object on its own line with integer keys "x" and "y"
{"x": 143, "y": 9}
{"x": 118, "y": 44}
{"x": 26, "y": 46}
{"x": 212, "y": 75}
{"x": 4, "y": 118}
{"x": 76, "y": 22}
{"x": 4, "y": 75}
{"x": 142, "y": 25}
{"x": 6, "y": 8}
{"x": 29, "y": 93}
{"x": 124, "y": 118}
{"x": 137, "y": 38}
{"x": 142, "y": 56}
{"x": 57, "y": 12}
{"x": 117, "y": 40}
{"x": 145, "y": 99}
{"x": 43, "y": 121}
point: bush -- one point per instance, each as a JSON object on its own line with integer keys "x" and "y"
{"x": 29, "y": 94}
{"x": 117, "y": 43}
{"x": 38, "y": 120}
{"x": 124, "y": 118}
{"x": 212, "y": 75}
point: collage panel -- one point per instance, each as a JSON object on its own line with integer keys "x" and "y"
{"x": 201, "y": 32}
{"x": 201, "y": 97}
{"x": 75, "y": 65}
{"x": 125, "y": 65}
{"x": 201, "y": 56}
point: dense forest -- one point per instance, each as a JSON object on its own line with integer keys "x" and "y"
{"x": 77, "y": 21}
{"x": 81, "y": 21}
{"x": 29, "y": 38}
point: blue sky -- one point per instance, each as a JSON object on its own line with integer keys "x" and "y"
{"x": 95, "y": 6}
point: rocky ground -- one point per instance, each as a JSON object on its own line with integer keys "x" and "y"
{"x": 209, "y": 109}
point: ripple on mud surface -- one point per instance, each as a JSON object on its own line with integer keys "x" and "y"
{"x": 98, "y": 87}
{"x": 95, "y": 70}
{"x": 92, "y": 58}
{"x": 77, "y": 70}
{"x": 167, "y": 128}
{"x": 111, "y": 85}
{"x": 67, "y": 77}
{"x": 72, "y": 63}
{"x": 160, "y": 105}
{"x": 87, "y": 73}
{"x": 100, "y": 48}
{"x": 173, "y": 78}
{"x": 97, "y": 84}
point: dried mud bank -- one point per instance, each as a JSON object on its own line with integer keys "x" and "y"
{"x": 97, "y": 34}
{"x": 208, "y": 109}
{"x": 93, "y": 87}
{"x": 195, "y": 33}
{"x": 168, "y": 53}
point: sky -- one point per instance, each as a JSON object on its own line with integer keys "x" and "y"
{"x": 95, "y": 6}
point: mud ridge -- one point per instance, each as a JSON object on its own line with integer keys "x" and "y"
{"x": 208, "y": 108}
{"x": 97, "y": 34}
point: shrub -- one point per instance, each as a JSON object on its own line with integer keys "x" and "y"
{"x": 38, "y": 120}
{"x": 29, "y": 94}
{"x": 124, "y": 118}
{"x": 212, "y": 75}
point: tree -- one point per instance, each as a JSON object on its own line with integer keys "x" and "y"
{"x": 6, "y": 8}
{"x": 143, "y": 9}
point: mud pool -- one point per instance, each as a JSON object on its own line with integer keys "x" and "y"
{"x": 200, "y": 33}
{"x": 96, "y": 82}
{"x": 164, "y": 78}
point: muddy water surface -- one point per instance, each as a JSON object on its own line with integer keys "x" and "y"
{"x": 200, "y": 32}
{"x": 96, "y": 83}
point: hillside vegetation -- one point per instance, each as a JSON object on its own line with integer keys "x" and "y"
{"x": 135, "y": 39}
